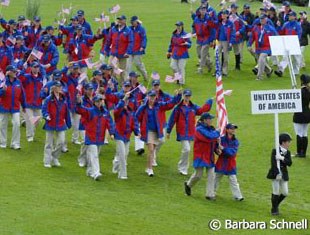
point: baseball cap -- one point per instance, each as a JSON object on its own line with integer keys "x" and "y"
{"x": 97, "y": 72}
{"x": 187, "y": 92}
{"x": 19, "y": 37}
{"x": 88, "y": 86}
{"x": 263, "y": 16}
{"x": 225, "y": 12}
{"x": 122, "y": 17}
{"x": 46, "y": 38}
{"x": 286, "y": 4}
{"x": 21, "y": 18}
{"x": 292, "y": 13}
{"x": 234, "y": 5}
{"x": 151, "y": 93}
{"x": 97, "y": 98}
{"x": 133, "y": 74}
{"x": 35, "y": 64}
{"x": 37, "y": 18}
{"x": 80, "y": 13}
{"x": 74, "y": 18}
{"x": 10, "y": 68}
{"x": 57, "y": 83}
{"x": 79, "y": 27}
{"x": 57, "y": 74}
{"x": 49, "y": 27}
{"x": 155, "y": 82}
{"x": 75, "y": 65}
{"x": 126, "y": 83}
{"x": 206, "y": 116}
{"x": 134, "y": 18}
{"x": 11, "y": 22}
{"x": 231, "y": 126}
{"x": 246, "y": 6}
{"x": 179, "y": 23}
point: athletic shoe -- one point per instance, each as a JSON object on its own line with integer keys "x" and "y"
{"x": 183, "y": 172}
{"x": 30, "y": 139}
{"x": 140, "y": 152}
{"x": 47, "y": 166}
{"x": 199, "y": 70}
{"x": 3, "y": 146}
{"x": 187, "y": 189}
{"x": 210, "y": 198}
{"x": 255, "y": 71}
{"x": 154, "y": 163}
{"x": 64, "y": 150}
{"x": 76, "y": 142}
{"x": 270, "y": 73}
{"x": 123, "y": 178}
{"x": 23, "y": 123}
{"x": 15, "y": 147}
{"x": 149, "y": 172}
{"x": 279, "y": 73}
{"x": 56, "y": 162}
{"x": 239, "y": 199}
{"x": 82, "y": 164}
{"x": 97, "y": 177}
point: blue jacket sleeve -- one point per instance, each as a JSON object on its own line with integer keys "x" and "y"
{"x": 231, "y": 151}
{"x": 55, "y": 59}
{"x": 130, "y": 45}
{"x": 171, "y": 120}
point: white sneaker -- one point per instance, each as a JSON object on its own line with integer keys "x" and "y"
{"x": 115, "y": 166}
{"x": 56, "y": 162}
{"x": 76, "y": 142}
{"x": 82, "y": 164}
{"x": 149, "y": 172}
{"x": 15, "y": 147}
{"x": 3, "y": 146}
{"x": 97, "y": 177}
{"x": 123, "y": 178}
{"x": 183, "y": 172}
{"x": 106, "y": 141}
{"x": 154, "y": 163}
{"x": 30, "y": 139}
{"x": 64, "y": 150}
{"x": 47, "y": 166}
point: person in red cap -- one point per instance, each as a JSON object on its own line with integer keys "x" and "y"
{"x": 12, "y": 97}
{"x": 205, "y": 146}
{"x": 278, "y": 172}
{"x": 226, "y": 162}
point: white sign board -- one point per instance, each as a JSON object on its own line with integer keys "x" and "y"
{"x": 276, "y": 101}
{"x": 280, "y": 45}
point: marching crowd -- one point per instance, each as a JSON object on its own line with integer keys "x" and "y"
{"x": 113, "y": 102}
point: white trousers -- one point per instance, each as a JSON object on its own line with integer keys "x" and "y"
{"x": 280, "y": 187}
{"x": 137, "y": 60}
{"x": 123, "y": 66}
{"x": 303, "y": 62}
{"x": 196, "y": 176}
{"x": 93, "y": 165}
{"x": 224, "y": 51}
{"x": 139, "y": 144}
{"x": 296, "y": 62}
{"x": 30, "y": 127}
{"x": 4, "y": 119}
{"x": 301, "y": 129}
{"x": 82, "y": 159}
{"x": 178, "y": 66}
{"x": 161, "y": 141}
{"x": 234, "y": 185}
{"x": 262, "y": 65}
{"x": 237, "y": 48}
{"x": 204, "y": 55}
{"x": 75, "y": 119}
{"x": 183, "y": 162}
{"x": 52, "y": 152}
{"x": 120, "y": 160}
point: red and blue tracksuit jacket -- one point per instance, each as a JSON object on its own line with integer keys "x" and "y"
{"x": 104, "y": 36}
{"x": 249, "y": 19}
{"x": 120, "y": 42}
{"x": 80, "y": 47}
{"x": 163, "y": 97}
{"x": 32, "y": 85}
{"x": 205, "y": 143}
{"x": 184, "y": 118}
{"x": 113, "y": 80}
{"x": 57, "y": 40}
{"x": 12, "y": 97}
{"x": 33, "y": 36}
{"x": 284, "y": 17}
{"x": 226, "y": 31}
{"x": 112, "y": 98}
{"x": 87, "y": 103}
{"x": 19, "y": 51}
{"x": 69, "y": 32}
{"x": 204, "y": 30}
{"x": 239, "y": 27}
{"x": 177, "y": 50}
{"x": 160, "y": 109}
{"x": 139, "y": 39}
{"x": 6, "y": 56}
{"x": 125, "y": 121}
{"x": 260, "y": 36}
{"x": 58, "y": 112}
{"x": 72, "y": 82}
{"x": 97, "y": 121}
{"x": 8, "y": 33}
{"x": 291, "y": 28}
{"x": 226, "y": 162}
{"x": 210, "y": 11}
{"x": 138, "y": 94}
{"x": 257, "y": 22}
{"x": 86, "y": 27}
{"x": 50, "y": 56}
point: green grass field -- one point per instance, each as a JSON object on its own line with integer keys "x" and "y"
{"x": 36, "y": 200}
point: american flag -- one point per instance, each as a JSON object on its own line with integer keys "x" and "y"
{"x": 143, "y": 89}
{"x": 2, "y": 79}
{"x": 115, "y": 9}
{"x": 89, "y": 63}
{"x": 36, "y": 53}
{"x": 169, "y": 79}
{"x": 221, "y": 112}
{"x": 103, "y": 18}
{"x": 155, "y": 76}
{"x": 5, "y": 3}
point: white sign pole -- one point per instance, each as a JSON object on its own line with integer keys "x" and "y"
{"x": 276, "y": 138}
{"x": 290, "y": 65}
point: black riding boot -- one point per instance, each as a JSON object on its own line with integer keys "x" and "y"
{"x": 274, "y": 203}
{"x": 298, "y": 145}
{"x": 281, "y": 198}
{"x": 237, "y": 61}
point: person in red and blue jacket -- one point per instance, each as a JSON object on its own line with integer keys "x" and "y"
{"x": 107, "y": 76}
{"x": 50, "y": 57}
{"x": 284, "y": 15}
{"x": 68, "y": 31}
{"x": 57, "y": 75}
{"x": 98, "y": 120}
{"x": 178, "y": 50}
{"x": 49, "y": 30}
{"x": 19, "y": 49}
{"x": 12, "y": 97}
{"x": 104, "y": 36}
{"x": 55, "y": 111}
{"x": 83, "y": 22}
{"x": 183, "y": 115}
{"x": 240, "y": 31}
{"x": 205, "y": 146}
{"x": 125, "y": 124}
{"x": 226, "y": 162}
{"x": 32, "y": 83}
{"x": 260, "y": 35}
{"x": 80, "y": 46}
{"x": 210, "y": 10}
{"x": 34, "y": 32}
{"x": 291, "y": 27}
{"x": 10, "y": 31}
{"x": 6, "y": 55}
{"x": 226, "y": 34}
{"x": 139, "y": 46}
{"x": 151, "y": 124}
{"x": 87, "y": 101}
{"x": 204, "y": 28}
{"x": 120, "y": 44}
{"x": 71, "y": 79}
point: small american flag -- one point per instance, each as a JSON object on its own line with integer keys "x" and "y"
{"x": 36, "y": 53}
{"x": 117, "y": 71}
{"x": 35, "y": 120}
{"x": 2, "y": 79}
{"x": 5, "y": 3}
{"x": 26, "y": 23}
{"x": 169, "y": 79}
{"x": 155, "y": 76}
{"x": 142, "y": 89}
{"x": 103, "y": 18}
{"x": 89, "y": 63}
{"x": 12, "y": 40}
{"x": 115, "y": 9}
{"x": 221, "y": 112}
{"x": 114, "y": 62}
